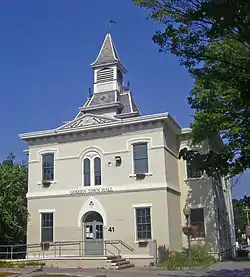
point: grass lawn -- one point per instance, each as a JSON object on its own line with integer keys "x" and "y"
{"x": 5, "y": 274}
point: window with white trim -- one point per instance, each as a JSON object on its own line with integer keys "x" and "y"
{"x": 47, "y": 227}
{"x": 48, "y": 167}
{"x": 143, "y": 223}
{"x": 140, "y": 157}
{"x": 92, "y": 170}
{"x": 97, "y": 171}
{"x": 86, "y": 172}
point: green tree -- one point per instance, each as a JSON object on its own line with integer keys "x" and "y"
{"x": 211, "y": 38}
{"x": 13, "y": 203}
{"x": 240, "y": 218}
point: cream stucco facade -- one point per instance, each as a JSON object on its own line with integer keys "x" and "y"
{"x": 134, "y": 208}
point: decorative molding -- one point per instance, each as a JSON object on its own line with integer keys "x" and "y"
{"x": 86, "y": 120}
{"x": 142, "y": 205}
{"x": 115, "y": 190}
{"x": 174, "y": 191}
{"x": 47, "y": 211}
{"x": 95, "y": 206}
{"x": 171, "y": 152}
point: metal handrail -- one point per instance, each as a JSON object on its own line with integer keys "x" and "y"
{"x": 57, "y": 247}
{"x": 118, "y": 250}
{"x": 112, "y": 242}
{"x": 127, "y": 246}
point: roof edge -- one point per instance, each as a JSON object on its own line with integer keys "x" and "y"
{"x": 53, "y": 132}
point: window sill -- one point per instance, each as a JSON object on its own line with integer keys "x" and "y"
{"x": 41, "y": 182}
{"x": 146, "y": 174}
{"x": 142, "y": 241}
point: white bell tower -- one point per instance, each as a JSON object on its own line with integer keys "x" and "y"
{"x": 108, "y": 70}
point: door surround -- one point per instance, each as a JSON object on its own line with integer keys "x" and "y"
{"x": 91, "y": 205}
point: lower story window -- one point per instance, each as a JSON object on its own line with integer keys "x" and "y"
{"x": 47, "y": 227}
{"x": 143, "y": 223}
{"x": 197, "y": 220}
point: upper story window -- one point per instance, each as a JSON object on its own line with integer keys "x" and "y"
{"x": 92, "y": 171}
{"x": 105, "y": 74}
{"x": 192, "y": 170}
{"x": 48, "y": 167}
{"x": 140, "y": 157}
{"x": 97, "y": 171}
{"x": 197, "y": 220}
{"x": 86, "y": 171}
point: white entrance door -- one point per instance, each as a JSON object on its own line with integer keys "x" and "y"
{"x": 93, "y": 235}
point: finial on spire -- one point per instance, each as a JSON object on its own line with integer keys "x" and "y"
{"x": 110, "y": 23}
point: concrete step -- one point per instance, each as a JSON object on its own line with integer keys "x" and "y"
{"x": 125, "y": 266}
{"x": 117, "y": 260}
{"x": 120, "y": 263}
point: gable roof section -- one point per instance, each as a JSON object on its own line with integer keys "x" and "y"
{"x": 108, "y": 53}
{"x": 87, "y": 120}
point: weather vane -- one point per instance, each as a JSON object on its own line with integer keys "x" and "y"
{"x": 110, "y": 24}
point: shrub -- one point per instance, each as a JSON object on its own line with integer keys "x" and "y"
{"x": 5, "y": 264}
{"x": 242, "y": 253}
{"x": 200, "y": 254}
{"x": 163, "y": 253}
{"x": 173, "y": 260}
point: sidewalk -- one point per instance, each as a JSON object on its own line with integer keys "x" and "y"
{"x": 224, "y": 269}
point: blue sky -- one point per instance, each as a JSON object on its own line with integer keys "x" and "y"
{"x": 45, "y": 54}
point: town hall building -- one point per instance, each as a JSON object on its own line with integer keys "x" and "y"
{"x": 109, "y": 181}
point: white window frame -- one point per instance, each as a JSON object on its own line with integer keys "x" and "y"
{"x": 91, "y": 156}
{"x": 44, "y": 154}
{"x": 43, "y": 211}
{"x": 130, "y": 145}
{"x": 142, "y": 205}
{"x": 40, "y": 159}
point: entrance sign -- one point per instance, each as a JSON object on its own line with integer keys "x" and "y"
{"x": 91, "y": 190}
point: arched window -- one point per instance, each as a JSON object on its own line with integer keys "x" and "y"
{"x": 86, "y": 172}
{"x": 97, "y": 171}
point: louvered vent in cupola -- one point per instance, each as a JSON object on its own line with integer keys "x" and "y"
{"x": 105, "y": 74}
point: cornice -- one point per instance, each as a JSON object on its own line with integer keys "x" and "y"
{"x": 121, "y": 123}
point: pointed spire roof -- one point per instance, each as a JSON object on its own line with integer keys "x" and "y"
{"x": 108, "y": 53}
